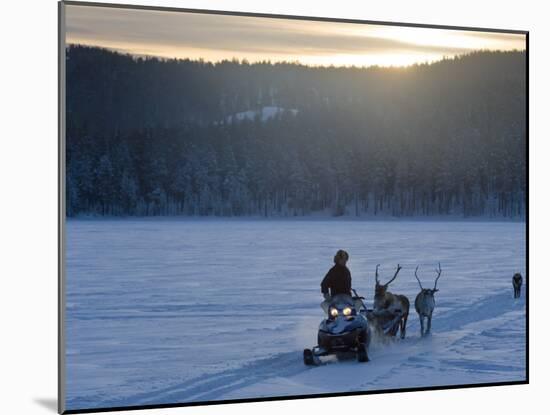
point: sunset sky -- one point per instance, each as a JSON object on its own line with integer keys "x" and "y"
{"x": 217, "y": 37}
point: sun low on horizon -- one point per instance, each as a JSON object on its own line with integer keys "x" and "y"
{"x": 217, "y": 37}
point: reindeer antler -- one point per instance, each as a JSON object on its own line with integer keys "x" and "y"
{"x": 376, "y": 274}
{"x": 395, "y": 275}
{"x": 438, "y": 275}
{"x": 415, "y": 271}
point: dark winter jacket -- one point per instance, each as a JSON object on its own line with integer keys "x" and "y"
{"x": 338, "y": 280}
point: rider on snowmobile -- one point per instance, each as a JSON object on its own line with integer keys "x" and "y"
{"x": 337, "y": 280}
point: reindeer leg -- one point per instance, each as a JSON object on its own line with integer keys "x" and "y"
{"x": 421, "y": 326}
{"x": 429, "y": 324}
{"x": 404, "y": 325}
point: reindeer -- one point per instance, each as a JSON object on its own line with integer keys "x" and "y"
{"x": 517, "y": 280}
{"x": 393, "y": 303}
{"x": 425, "y": 302}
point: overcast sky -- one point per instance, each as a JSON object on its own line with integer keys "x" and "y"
{"x": 216, "y": 37}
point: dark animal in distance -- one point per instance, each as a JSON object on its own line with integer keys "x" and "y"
{"x": 395, "y": 303}
{"x": 425, "y": 303}
{"x": 517, "y": 280}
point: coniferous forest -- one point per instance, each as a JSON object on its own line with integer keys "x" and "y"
{"x": 148, "y": 136}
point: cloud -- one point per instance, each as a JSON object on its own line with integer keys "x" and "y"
{"x": 179, "y": 33}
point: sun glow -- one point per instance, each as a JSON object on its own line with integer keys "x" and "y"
{"x": 445, "y": 38}
{"x": 372, "y": 59}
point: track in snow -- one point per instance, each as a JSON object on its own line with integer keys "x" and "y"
{"x": 461, "y": 348}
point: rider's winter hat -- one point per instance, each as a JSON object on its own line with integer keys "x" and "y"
{"x": 341, "y": 254}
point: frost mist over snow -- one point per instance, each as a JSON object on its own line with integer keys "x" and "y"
{"x": 167, "y": 311}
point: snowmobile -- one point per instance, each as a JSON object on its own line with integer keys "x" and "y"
{"x": 345, "y": 330}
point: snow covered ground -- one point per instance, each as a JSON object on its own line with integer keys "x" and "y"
{"x": 264, "y": 114}
{"x": 179, "y": 310}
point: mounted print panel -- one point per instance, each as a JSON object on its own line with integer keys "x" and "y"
{"x": 264, "y": 207}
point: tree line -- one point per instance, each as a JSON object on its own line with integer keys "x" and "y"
{"x": 149, "y": 136}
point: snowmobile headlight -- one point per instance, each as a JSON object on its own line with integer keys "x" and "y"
{"x": 347, "y": 311}
{"x": 334, "y": 312}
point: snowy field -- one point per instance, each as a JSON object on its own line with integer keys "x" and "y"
{"x": 179, "y": 310}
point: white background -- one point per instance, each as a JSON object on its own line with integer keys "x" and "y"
{"x": 28, "y": 204}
